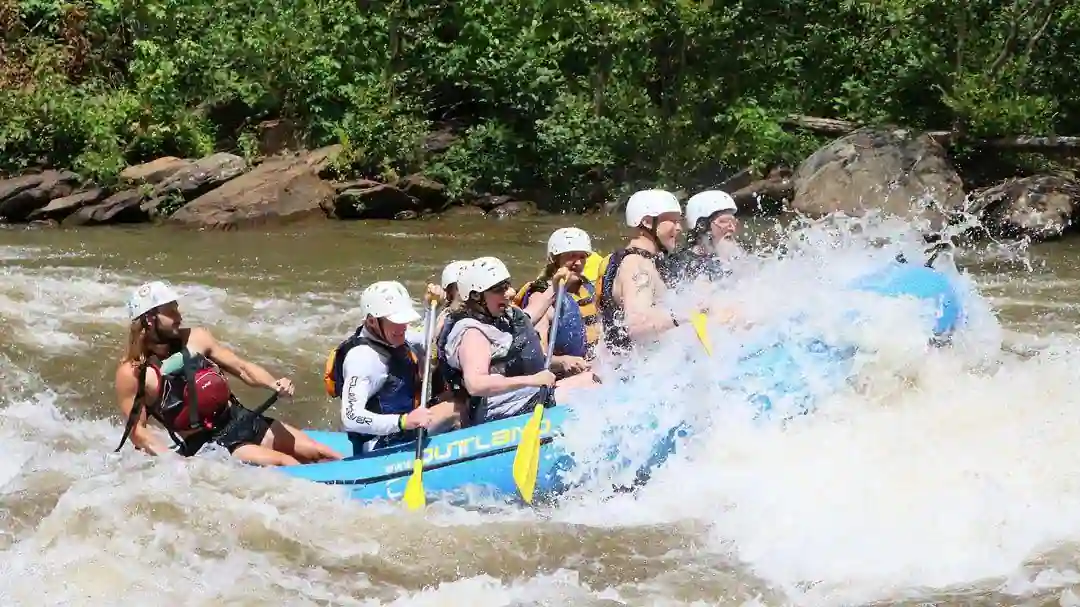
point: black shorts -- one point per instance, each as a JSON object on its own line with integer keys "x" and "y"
{"x": 239, "y": 427}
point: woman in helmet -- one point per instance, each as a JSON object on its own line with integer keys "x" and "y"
{"x": 450, "y": 294}
{"x": 710, "y": 240}
{"x": 174, "y": 375}
{"x": 492, "y": 348}
{"x": 578, "y": 322}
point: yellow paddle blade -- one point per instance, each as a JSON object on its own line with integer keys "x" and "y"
{"x": 527, "y": 458}
{"x": 414, "y": 489}
{"x": 698, "y": 321}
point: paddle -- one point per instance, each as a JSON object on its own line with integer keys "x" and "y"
{"x": 527, "y": 458}
{"x": 698, "y": 321}
{"x": 266, "y": 405}
{"x": 244, "y": 417}
{"x": 414, "y": 488}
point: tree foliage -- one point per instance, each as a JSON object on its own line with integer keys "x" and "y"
{"x": 559, "y": 98}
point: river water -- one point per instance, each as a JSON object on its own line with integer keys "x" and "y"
{"x": 948, "y": 477}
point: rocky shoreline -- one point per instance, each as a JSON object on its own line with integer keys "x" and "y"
{"x": 895, "y": 171}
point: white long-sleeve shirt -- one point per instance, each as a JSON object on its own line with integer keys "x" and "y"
{"x": 363, "y": 372}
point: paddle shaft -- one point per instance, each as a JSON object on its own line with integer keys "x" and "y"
{"x": 527, "y": 457}
{"x": 425, "y": 386}
{"x": 266, "y": 405}
{"x": 554, "y": 329}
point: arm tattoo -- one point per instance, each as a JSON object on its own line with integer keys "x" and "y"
{"x": 642, "y": 281}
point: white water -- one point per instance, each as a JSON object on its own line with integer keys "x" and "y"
{"x": 937, "y": 471}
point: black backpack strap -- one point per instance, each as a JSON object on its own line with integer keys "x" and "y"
{"x": 136, "y": 407}
{"x": 338, "y": 372}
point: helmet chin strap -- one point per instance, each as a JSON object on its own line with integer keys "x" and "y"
{"x": 379, "y": 332}
{"x": 656, "y": 239}
{"x": 483, "y": 307}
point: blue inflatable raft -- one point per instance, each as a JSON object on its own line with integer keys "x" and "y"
{"x": 478, "y": 461}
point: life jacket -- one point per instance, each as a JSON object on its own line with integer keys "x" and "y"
{"x": 578, "y": 325}
{"x": 525, "y": 356}
{"x": 688, "y": 264}
{"x": 195, "y": 396}
{"x": 612, "y": 317}
{"x": 182, "y": 408}
{"x": 592, "y": 270}
{"x": 399, "y": 394}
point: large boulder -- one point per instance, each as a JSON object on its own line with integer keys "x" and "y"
{"x": 21, "y": 196}
{"x": 280, "y": 190}
{"x": 431, "y": 194}
{"x": 59, "y": 208}
{"x": 1042, "y": 207}
{"x": 895, "y": 171}
{"x": 377, "y": 201}
{"x": 120, "y": 207}
{"x": 155, "y": 171}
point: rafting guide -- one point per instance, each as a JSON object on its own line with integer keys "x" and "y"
{"x": 176, "y": 376}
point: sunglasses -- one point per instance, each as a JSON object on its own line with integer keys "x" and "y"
{"x": 499, "y": 288}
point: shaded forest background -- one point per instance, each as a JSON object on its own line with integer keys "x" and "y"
{"x": 567, "y": 100}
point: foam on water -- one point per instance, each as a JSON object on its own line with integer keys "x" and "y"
{"x": 926, "y": 471}
{"x": 936, "y": 467}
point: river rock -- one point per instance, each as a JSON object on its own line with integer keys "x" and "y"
{"x": 155, "y": 171}
{"x": 280, "y": 190}
{"x": 465, "y": 210}
{"x": 892, "y": 170}
{"x": 280, "y": 135}
{"x": 1042, "y": 207}
{"x": 488, "y": 202}
{"x": 21, "y": 196}
{"x": 439, "y": 140}
{"x": 513, "y": 209}
{"x": 121, "y": 207}
{"x": 381, "y": 201}
{"x": 60, "y": 208}
{"x": 430, "y": 193}
{"x": 201, "y": 176}
{"x": 357, "y": 184}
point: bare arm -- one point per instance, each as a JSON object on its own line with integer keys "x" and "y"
{"x": 248, "y": 372}
{"x": 638, "y": 283}
{"x": 127, "y": 386}
{"x": 475, "y": 355}
{"x": 539, "y": 304}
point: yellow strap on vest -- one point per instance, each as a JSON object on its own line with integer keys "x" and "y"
{"x": 601, "y": 268}
{"x": 522, "y": 292}
{"x": 592, "y": 269}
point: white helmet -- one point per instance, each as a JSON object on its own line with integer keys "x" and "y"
{"x": 704, "y": 204}
{"x": 149, "y": 296}
{"x": 650, "y": 203}
{"x": 565, "y": 240}
{"x": 482, "y": 274}
{"x": 452, "y": 272}
{"x": 388, "y": 299}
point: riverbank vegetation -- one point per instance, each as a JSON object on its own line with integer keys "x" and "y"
{"x": 557, "y": 98}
